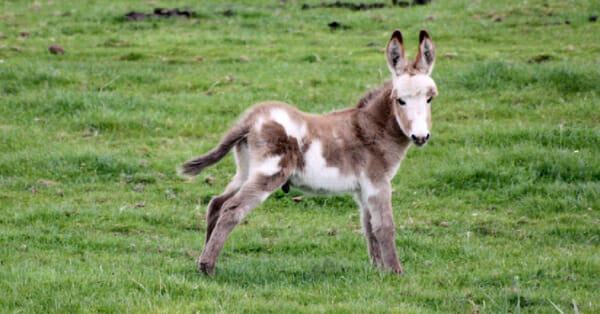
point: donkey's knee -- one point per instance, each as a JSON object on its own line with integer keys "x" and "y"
{"x": 384, "y": 232}
{"x": 233, "y": 212}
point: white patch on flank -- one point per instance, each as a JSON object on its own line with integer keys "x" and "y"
{"x": 317, "y": 176}
{"x": 267, "y": 167}
{"x": 292, "y": 128}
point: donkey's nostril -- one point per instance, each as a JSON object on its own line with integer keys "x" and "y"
{"x": 420, "y": 140}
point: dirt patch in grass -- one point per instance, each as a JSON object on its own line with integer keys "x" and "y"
{"x": 362, "y": 6}
{"x": 160, "y": 13}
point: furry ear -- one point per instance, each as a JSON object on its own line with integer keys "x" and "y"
{"x": 426, "y": 56}
{"x": 395, "y": 54}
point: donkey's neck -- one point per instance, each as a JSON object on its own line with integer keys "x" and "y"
{"x": 377, "y": 118}
{"x": 377, "y": 129}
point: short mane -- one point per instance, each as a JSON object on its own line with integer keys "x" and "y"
{"x": 373, "y": 94}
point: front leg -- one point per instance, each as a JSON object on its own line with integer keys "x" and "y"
{"x": 372, "y": 244}
{"x": 379, "y": 200}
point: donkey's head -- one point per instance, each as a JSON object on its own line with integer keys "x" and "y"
{"x": 413, "y": 89}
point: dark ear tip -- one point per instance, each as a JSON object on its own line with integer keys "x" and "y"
{"x": 423, "y": 34}
{"x": 398, "y": 35}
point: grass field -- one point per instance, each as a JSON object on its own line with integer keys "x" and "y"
{"x": 499, "y": 213}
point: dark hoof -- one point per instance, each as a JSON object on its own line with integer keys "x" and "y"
{"x": 397, "y": 269}
{"x": 206, "y": 268}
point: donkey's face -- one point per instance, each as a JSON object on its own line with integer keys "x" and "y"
{"x": 413, "y": 88}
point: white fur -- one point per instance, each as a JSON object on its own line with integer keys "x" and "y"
{"x": 267, "y": 167}
{"x": 376, "y": 220}
{"x": 412, "y": 85}
{"x": 367, "y": 189}
{"x": 242, "y": 160}
{"x": 317, "y": 176}
{"x": 292, "y": 128}
{"x": 363, "y": 209}
{"x": 417, "y": 111}
{"x": 263, "y": 196}
{"x": 414, "y": 91}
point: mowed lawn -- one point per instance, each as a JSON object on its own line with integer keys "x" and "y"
{"x": 500, "y": 212}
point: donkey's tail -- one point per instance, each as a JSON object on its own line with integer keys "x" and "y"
{"x": 232, "y": 137}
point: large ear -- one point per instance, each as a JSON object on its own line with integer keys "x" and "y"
{"x": 395, "y": 54}
{"x": 426, "y": 56}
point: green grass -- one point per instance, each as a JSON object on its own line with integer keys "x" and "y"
{"x": 499, "y": 213}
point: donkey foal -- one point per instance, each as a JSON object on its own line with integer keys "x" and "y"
{"x": 357, "y": 151}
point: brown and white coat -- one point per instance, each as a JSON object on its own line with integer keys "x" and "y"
{"x": 356, "y": 151}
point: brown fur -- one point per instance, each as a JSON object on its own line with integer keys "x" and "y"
{"x": 365, "y": 140}
{"x": 193, "y": 167}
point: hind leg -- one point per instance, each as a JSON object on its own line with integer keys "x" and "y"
{"x": 215, "y": 205}
{"x": 214, "y": 209}
{"x": 254, "y": 191}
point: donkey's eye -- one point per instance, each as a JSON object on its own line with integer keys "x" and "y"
{"x": 401, "y": 102}
{"x": 429, "y": 99}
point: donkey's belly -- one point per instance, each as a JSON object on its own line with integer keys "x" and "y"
{"x": 324, "y": 184}
{"x": 317, "y": 176}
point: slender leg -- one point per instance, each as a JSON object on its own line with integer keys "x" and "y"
{"x": 250, "y": 195}
{"x": 214, "y": 207}
{"x": 213, "y": 212}
{"x": 372, "y": 244}
{"x": 382, "y": 222}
